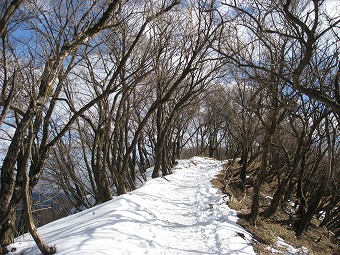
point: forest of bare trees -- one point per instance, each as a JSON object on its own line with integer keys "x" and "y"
{"x": 95, "y": 92}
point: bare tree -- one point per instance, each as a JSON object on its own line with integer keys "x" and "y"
{"x": 305, "y": 35}
{"x": 43, "y": 92}
{"x": 284, "y": 47}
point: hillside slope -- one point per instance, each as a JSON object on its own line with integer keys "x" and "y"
{"x": 179, "y": 214}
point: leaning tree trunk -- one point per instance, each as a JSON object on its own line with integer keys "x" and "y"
{"x": 313, "y": 206}
{"x": 302, "y": 223}
{"x": 43, "y": 247}
{"x": 271, "y": 209}
{"x": 8, "y": 183}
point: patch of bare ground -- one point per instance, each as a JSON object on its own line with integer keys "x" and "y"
{"x": 267, "y": 232}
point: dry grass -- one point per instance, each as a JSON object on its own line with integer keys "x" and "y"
{"x": 267, "y": 231}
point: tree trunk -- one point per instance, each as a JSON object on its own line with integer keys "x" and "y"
{"x": 121, "y": 183}
{"x": 98, "y": 166}
{"x": 7, "y": 230}
{"x": 165, "y": 162}
{"x": 43, "y": 247}
{"x": 302, "y": 222}
{"x": 158, "y": 160}
{"x": 26, "y": 195}
{"x": 257, "y": 183}
{"x": 212, "y": 144}
{"x": 276, "y": 199}
{"x": 301, "y": 201}
{"x": 141, "y": 156}
{"x": 305, "y": 219}
{"x": 244, "y": 163}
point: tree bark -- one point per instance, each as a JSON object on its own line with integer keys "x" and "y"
{"x": 258, "y": 181}
{"x": 26, "y": 195}
{"x": 8, "y": 229}
{"x": 271, "y": 209}
{"x": 244, "y": 163}
{"x": 301, "y": 224}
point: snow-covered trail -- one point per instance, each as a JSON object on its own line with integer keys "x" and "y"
{"x": 181, "y": 214}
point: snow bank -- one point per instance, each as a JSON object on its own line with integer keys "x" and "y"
{"x": 179, "y": 214}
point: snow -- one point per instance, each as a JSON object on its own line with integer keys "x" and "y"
{"x": 178, "y": 214}
{"x": 290, "y": 250}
